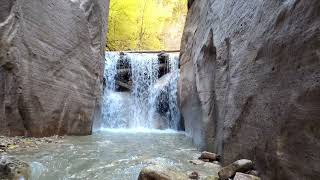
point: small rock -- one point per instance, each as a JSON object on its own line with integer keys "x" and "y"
{"x": 194, "y": 175}
{"x": 156, "y": 172}
{"x": 242, "y": 176}
{"x": 196, "y": 162}
{"x": 205, "y": 155}
{"x": 229, "y": 171}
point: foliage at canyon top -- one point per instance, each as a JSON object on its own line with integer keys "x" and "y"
{"x": 146, "y": 24}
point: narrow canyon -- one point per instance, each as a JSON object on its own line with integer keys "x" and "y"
{"x": 244, "y": 88}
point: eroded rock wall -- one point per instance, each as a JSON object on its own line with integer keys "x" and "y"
{"x": 249, "y": 84}
{"x": 51, "y": 65}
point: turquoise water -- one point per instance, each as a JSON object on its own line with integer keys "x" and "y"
{"x": 111, "y": 154}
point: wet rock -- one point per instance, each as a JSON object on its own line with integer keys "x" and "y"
{"x": 205, "y": 155}
{"x": 242, "y": 176}
{"x": 163, "y": 58}
{"x": 14, "y": 169}
{"x": 156, "y": 172}
{"x": 229, "y": 171}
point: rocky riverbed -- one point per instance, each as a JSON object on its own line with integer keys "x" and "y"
{"x": 115, "y": 155}
{"x": 21, "y": 143}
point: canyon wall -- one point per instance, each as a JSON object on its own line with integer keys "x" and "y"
{"x": 250, "y": 83}
{"x": 51, "y": 65}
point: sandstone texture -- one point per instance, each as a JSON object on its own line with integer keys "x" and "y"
{"x": 250, "y": 83}
{"x": 51, "y": 65}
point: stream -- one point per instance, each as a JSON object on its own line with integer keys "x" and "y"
{"x": 111, "y": 154}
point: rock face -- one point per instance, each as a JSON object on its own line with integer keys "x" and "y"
{"x": 51, "y": 65}
{"x": 249, "y": 83}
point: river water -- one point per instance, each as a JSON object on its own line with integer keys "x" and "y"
{"x": 112, "y": 154}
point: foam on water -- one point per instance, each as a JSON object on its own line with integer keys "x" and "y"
{"x": 140, "y": 130}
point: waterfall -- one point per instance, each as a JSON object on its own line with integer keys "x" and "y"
{"x": 114, "y": 109}
{"x": 173, "y": 92}
{"x": 152, "y": 100}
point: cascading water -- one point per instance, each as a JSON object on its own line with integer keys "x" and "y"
{"x": 173, "y": 92}
{"x": 116, "y": 105}
{"x": 143, "y": 106}
{"x": 145, "y": 70}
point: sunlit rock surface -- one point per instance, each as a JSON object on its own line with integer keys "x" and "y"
{"x": 249, "y": 83}
{"x": 51, "y": 65}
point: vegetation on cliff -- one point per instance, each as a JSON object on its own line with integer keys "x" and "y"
{"x": 146, "y": 24}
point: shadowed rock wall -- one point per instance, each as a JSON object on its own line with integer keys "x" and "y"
{"x": 51, "y": 65}
{"x": 249, "y": 84}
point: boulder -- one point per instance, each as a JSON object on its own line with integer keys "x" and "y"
{"x": 250, "y": 83}
{"x": 14, "y": 169}
{"x": 51, "y": 66}
{"x": 210, "y": 156}
{"x": 229, "y": 171}
{"x": 242, "y": 176}
{"x": 156, "y": 172}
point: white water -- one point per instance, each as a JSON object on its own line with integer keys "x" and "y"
{"x": 138, "y": 109}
